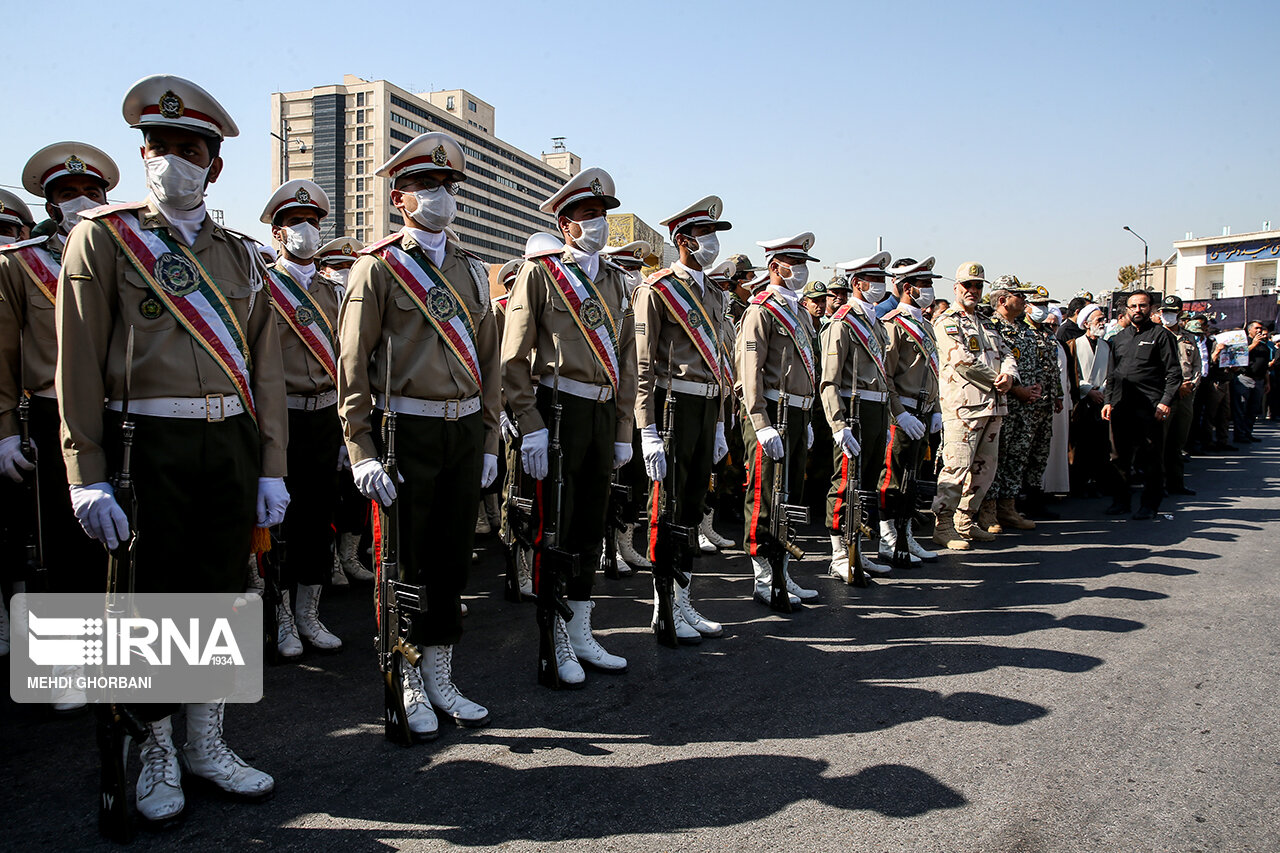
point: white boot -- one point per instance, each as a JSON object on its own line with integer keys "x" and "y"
{"x": 872, "y": 568}
{"x": 889, "y": 542}
{"x": 585, "y": 646}
{"x": 570, "y": 671}
{"x": 423, "y": 725}
{"x": 208, "y": 756}
{"x": 916, "y": 549}
{"x": 705, "y": 545}
{"x": 4, "y": 628}
{"x": 686, "y": 634}
{"x": 524, "y": 571}
{"x": 627, "y": 548}
{"x": 798, "y": 591}
{"x": 708, "y": 529}
{"x": 839, "y": 559}
{"x": 763, "y": 591}
{"x": 159, "y": 790}
{"x": 349, "y": 555}
{"x": 287, "y": 641}
{"x": 437, "y": 677}
{"x": 309, "y": 624}
{"x": 70, "y": 698}
{"x": 255, "y": 582}
{"x": 696, "y": 620}
{"x": 337, "y": 577}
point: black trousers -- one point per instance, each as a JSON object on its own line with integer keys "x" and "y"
{"x": 587, "y": 431}
{"x": 440, "y": 461}
{"x": 74, "y": 562}
{"x": 1136, "y": 435}
{"x": 314, "y": 439}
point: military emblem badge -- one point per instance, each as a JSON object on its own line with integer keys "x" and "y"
{"x": 176, "y": 274}
{"x": 302, "y": 196}
{"x": 597, "y": 188}
{"x": 714, "y": 210}
{"x": 694, "y": 320}
{"x": 304, "y": 315}
{"x": 592, "y": 314}
{"x": 441, "y": 304}
{"x": 974, "y": 346}
{"x": 439, "y": 156}
{"x": 150, "y": 308}
{"x": 74, "y": 165}
{"x": 171, "y": 105}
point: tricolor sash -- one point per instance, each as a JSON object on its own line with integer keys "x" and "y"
{"x": 922, "y": 340}
{"x": 589, "y": 311}
{"x": 791, "y": 324}
{"x": 304, "y": 315}
{"x": 42, "y": 268}
{"x": 864, "y": 333}
{"x": 176, "y": 278}
{"x": 438, "y": 302}
{"x": 685, "y": 306}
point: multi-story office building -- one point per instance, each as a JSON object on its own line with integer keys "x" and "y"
{"x": 338, "y": 135}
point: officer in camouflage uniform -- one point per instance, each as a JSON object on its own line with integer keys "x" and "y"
{"x": 1050, "y": 404}
{"x": 1026, "y": 413}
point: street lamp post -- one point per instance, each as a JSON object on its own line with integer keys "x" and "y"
{"x": 285, "y": 139}
{"x": 1144, "y": 255}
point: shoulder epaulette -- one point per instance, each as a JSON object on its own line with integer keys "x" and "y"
{"x": 22, "y": 244}
{"x": 760, "y": 298}
{"x": 98, "y": 212}
{"x": 657, "y": 276}
{"x": 381, "y": 244}
{"x": 841, "y": 312}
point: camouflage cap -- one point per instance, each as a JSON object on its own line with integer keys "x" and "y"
{"x": 815, "y": 289}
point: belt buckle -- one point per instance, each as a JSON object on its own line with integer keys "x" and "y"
{"x": 222, "y": 409}
{"x": 603, "y": 393}
{"x": 311, "y": 404}
{"x": 451, "y": 408}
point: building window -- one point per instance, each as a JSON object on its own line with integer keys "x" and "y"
{"x": 360, "y": 100}
{"x": 1268, "y": 286}
{"x": 360, "y": 132}
{"x": 359, "y": 167}
{"x": 359, "y": 217}
{"x": 1215, "y": 290}
{"x": 359, "y": 185}
{"x": 448, "y": 102}
{"x": 359, "y": 150}
{"x": 360, "y": 234}
{"x": 471, "y": 105}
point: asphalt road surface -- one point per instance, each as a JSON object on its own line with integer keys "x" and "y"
{"x": 1095, "y": 684}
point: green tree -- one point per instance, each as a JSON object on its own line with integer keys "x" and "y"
{"x": 1127, "y": 275}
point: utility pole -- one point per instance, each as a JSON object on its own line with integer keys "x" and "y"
{"x": 1144, "y": 256}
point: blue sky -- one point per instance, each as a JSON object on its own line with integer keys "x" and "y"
{"x": 1020, "y": 135}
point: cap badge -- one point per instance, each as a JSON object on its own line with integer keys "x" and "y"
{"x": 806, "y": 243}
{"x": 74, "y": 165}
{"x": 975, "y": 269}
{"x": 2, "y": 207}
{"x": 597, "y": 188}
{"x": 638, "y": 253}
{"x": 713, "y": 211}
{"x": 439, "y": 156}
{"x": 884, "y": 262}
{"x": 302, "y": 196}
{"x": 347, "y": 250}
{"x": 171, "y": 105}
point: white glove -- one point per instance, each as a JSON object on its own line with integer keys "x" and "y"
{"x": 488, "y": 470}
{"x": 507, "y": 428}
{"x": 533, "y": 453}
{"x": 722, "y": 446}
{"x": 344, "y": 457}
{"x": 769, "y": 439}
{"x": 655, "y": 455}
{"x": 809, "y": 436}
{"x": 848, "y": 444}
{"x": 273, "y": 499}
{"x": 98, "y": 513}
{"x": 911, "y": 425}
{"x": 11, "y": 458}
{"x": 936, "y": 424}
{"x": 372, "y": 481}
{"x": 621, "y": 453}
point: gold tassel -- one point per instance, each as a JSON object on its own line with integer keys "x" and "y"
{"x": 261, "y": 541}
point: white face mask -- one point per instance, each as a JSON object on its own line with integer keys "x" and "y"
{"x": 1169, "y": 318}
{"x": 338, "y": 277}
{"x": 302, "y": 240}
{"x": 708, "y": 249}
{"x": 1037, "y": 313}
{"x": 875, "y": 291}
{"x": 925, "y": 299}
{"x": 798, "y": 276}
{"x": 71, "y": 211}
{"x": 595, "y": 234}
{"x": 176, "y": 182}
{"x": 436, "y": 208}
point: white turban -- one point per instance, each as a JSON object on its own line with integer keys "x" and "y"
{"x": 1082, "y": 319}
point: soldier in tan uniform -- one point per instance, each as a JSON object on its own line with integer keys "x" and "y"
{"x": 306, "y": 306}
{"x": 774, "y": 323}
{"x": 218, "y": 421}
{"x": 1178, "y": 424}
{"x": 976, "y": 370}
{"x": 419, "y": 293}
{"x": 678, "y": 340}
{"x": 911, "y": 371}
{"x": 860, "y": 331}
{"x": 15, "y": 219}
{"x": 575, "y": 304}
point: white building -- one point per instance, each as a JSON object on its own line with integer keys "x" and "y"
{"x": 1228, "y": 266}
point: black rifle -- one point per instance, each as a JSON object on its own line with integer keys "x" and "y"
{"x": 783, "y": 514}
{"x": 396, "y": 599}
{"x": 854, "y": 527}
{"x": 675, "y": 540}
{"x": 519, "y": 530}
{"x": 270, "y": 564}
{"x": 551, "y": 564}
{"x": 615, "y": 520}
{"x": 116, "y": 724}
{"x": 906, "y": 500}
{"x": 35, "y": 573}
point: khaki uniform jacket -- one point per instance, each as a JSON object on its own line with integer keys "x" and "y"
{"x": 100, "y": 295}
{"x": 758, "y": 352}
{"x": 24, "y": 308}
{"x": 869, "y": 376}
{"x": 536, "y": 316}
{"x": 970, "y": 357}
{"x": 1188, "y": 357}
{"x": 303, "y": 373}
{"x": 422, "y": 364}
{"x": 657, "y": 331}
{"x": 841, "y": 364}
{"x": 907, "y": 369}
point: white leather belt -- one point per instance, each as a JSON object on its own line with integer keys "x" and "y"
{"x": 847, "y": 395}
{"x": 313, "y": 404}
{"x": 48, "y": 393}
{"x": 794, "y": 400}
{"x": 450, "y": 410}
{"x": 693, "y": 389}
{"x": 212, "y": 407}
{"x": 585, "y": 390}
{"x": 873, "y": 396}
{"x": 909, "y": 403}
